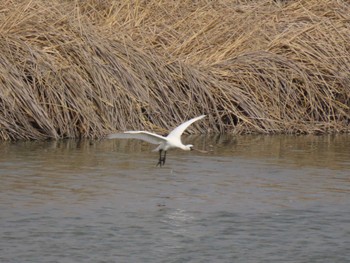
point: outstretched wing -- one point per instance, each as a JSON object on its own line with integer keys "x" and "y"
{"x": 141, "y": 135}
{"x": 176, "y": 133}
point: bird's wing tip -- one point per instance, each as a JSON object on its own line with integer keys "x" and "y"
{"x": 133, "y": 132}
{"x": 113, "y": 136}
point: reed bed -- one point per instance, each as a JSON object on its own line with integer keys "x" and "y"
{"x": 72, "y": 69}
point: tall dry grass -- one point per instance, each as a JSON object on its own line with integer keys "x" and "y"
{"x": 85, "y": 68}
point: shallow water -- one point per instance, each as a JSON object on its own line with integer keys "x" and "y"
{"x": 249, "y": 199}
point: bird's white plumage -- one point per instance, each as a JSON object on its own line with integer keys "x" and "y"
{"x": 178, "y": 131}
{"x": 173, "y": 140}
{"x": 145, "y": 136}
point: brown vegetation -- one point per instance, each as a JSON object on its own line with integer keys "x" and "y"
{"x": 85, "y": 68}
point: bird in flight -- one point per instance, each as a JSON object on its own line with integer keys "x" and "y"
{"x": 173, "y": 140}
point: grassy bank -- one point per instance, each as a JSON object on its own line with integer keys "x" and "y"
{"x": 85, "y": 68}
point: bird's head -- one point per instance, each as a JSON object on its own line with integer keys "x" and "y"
{"x": 188, "y": 147}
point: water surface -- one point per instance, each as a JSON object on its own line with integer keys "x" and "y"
{"x": 249, "y": 199}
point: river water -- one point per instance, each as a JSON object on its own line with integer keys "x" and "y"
{"x": 249, "y": 199}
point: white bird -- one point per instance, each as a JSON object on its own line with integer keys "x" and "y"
{"x": 173, "y": 140}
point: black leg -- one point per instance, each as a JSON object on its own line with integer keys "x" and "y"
{"x": 160, "y": 159}
{"x": 164, "y": 157}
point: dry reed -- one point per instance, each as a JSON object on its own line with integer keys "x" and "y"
{"x": 87, "y": 68}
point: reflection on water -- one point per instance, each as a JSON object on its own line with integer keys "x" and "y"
{"x": 250, "y": 199}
